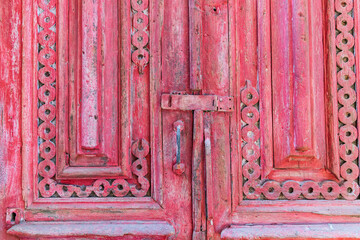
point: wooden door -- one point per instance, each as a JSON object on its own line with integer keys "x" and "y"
{"x": 181, "y": 119}
{"x": 295, "y": 174}
{"x": 91, "y": 164}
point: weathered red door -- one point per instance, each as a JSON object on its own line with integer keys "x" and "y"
{"x": 91, "y": 163}
{"x": 181, "y": 119}
{"x": 295, "y": 174}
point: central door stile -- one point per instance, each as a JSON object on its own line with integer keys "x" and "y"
{"x": 196, "y": 84}
{"x": 210, "y": 229}
{"x": 203, "y": 107}
{"x": 198, "y": 186}
{"x": 202, "y": 181}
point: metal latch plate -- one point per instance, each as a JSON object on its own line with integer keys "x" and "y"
{"x": 197, "y": 102}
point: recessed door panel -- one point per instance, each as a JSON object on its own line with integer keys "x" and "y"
{"x": 298, "y": 84}
{"x": 301, "y": 111}
{"x": 298, "y": 116}
{"x": 92, "y": 91}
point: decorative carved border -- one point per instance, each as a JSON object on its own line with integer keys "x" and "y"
{"x": 255, "y": 188}
{"x": 140, "y": 38}
{"x": 46, "y": 92}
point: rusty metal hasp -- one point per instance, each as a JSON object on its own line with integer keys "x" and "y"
{"x": 197, "y": 102}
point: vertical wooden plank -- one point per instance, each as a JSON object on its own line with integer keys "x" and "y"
{"x": 216, "y": 74}
{"x": 175, "y": 47}
{"x": 234, "y": 15}
{"x": 177, "y": 188}
{"x": 282, "y": 78}
{"x": 264, "y": 63}
{"x": 157, "y": 167}
{"x": 331, "y": 110}
{"x": 174, "y": 75}
{"x": 10, "y": 105}
{"x": 198, "y": 186}
{"x": 90, "y": 77}
{"x": 209, "y": 166}
{"x": 66, "y": 72}
{"x": 28, "y": 65}
{"x": 302, "y": 82}
{"x": 195, "y": 41}
{"x": 215, "y": 60}
{"x": 248, "y": 41}
{"x": 317, "y": 73}
{"x": 110, "y": 82}
{"x": 125, "y": 72}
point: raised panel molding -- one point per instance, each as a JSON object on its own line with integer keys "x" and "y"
{"x": 87, "y": 146}
{"x": 298, "y": 85}
{"x": 86, "y": 100}
{"x": 298, "y": 119}
{"x": 91, "y": 92}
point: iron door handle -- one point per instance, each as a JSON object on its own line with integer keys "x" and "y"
{"x": 178, "y": 167}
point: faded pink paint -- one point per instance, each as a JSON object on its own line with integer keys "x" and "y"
{"x": 258, "y": 89}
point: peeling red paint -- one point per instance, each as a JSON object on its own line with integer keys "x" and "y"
{"x": 179, "y": 119}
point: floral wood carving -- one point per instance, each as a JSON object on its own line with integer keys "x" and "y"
{"x": 48, "y": 186}
{"x": 256, "y": 186}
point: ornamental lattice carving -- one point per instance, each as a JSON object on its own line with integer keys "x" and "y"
{"x": 254, "y": 187}
{"x": 48, "y": 186}
{"x": 140, "y": 37}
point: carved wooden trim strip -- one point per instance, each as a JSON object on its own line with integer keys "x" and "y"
{"x": 140, "y": 38}
{"x": 46, "y": 97}
{"x": 47, "y": 72}
{"x": 256, "y": 188}
{"x": 347, "y": 98}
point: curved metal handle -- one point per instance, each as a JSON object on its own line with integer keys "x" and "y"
{"x": 178, "y": 143}
{"x": 178, "y": 167}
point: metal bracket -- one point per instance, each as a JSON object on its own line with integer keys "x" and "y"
{"x": 197, "y": 102}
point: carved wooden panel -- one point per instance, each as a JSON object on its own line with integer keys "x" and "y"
{"x": 300, "y": 107}
{"x": 92, "y": 91}
{"x": 84, "y": 113}
{"x": 299, "y": 123}
{"x": 298, "y": 85}
{"x": 91, "y": 142}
